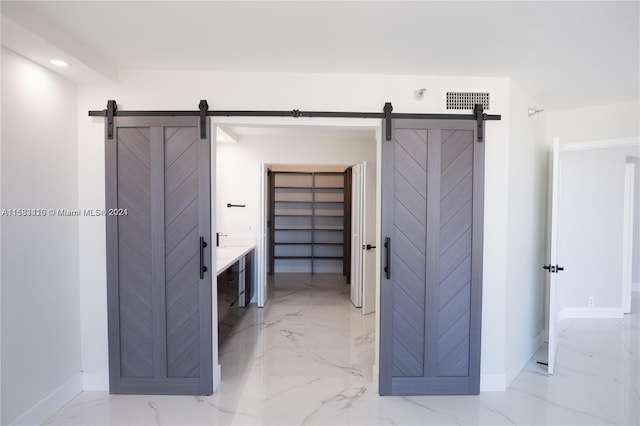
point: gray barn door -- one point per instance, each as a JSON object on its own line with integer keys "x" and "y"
{"x": 431, "y": 295}
{"x": 159, "y": 303}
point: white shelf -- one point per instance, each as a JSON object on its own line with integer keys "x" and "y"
{"x": 308, "y": 217}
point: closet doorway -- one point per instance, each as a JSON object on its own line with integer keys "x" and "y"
{"x": 309, "y": 222}
{"x": 321, "y": 220}
{"x": 310, "y": 162}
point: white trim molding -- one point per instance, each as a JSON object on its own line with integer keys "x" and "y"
{"x": 50, "y": 404}
{"x": 627, "y": 236}
{"x": 525, "y": 356}
{"x": 601, "y": 144}
{"x": 217, "y": 377}
{"x": 326, "y": 122}
{"x": 595, "y": 312}
{"x": 376, "y": 376}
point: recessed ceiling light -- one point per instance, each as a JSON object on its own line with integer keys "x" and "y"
{"x": 59, "y": 63}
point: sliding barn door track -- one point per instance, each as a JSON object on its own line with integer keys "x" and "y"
{"x": 203, "y": 111}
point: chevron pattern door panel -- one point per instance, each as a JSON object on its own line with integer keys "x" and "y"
{"x": 454, "y": 252}
{"x": 432, "y": 183}
{"x": 409, "y": 253}
{"x": 158, "y": 169}
{"x": 134, "y": 253}
{"x": 181, "y": 251}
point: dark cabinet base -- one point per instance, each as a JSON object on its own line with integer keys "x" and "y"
{"x": 228, "y": 311}
{"x": 234, "y": 295}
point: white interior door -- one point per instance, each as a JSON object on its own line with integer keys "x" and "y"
{"x": 356, "y": 235}
{"x": 369, "y": 238}
{"x": 261, "y": 282}
{"x": 552, "y": 254}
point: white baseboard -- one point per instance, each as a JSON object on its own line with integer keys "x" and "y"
{"x": 492, "y": 382}
{"x": 217, "y": 377}
{"x": 49, "y": 405}
{"x": 596, "y": 312}
{"x": 524, "y": 357}
{"x": 499, "y": 382}
{"x": 376, "y": 378}
{"x": 95, "y": 382}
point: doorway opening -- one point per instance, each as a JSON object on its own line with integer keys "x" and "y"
{"x": 309, "y": 223}
{"x": 309, "y": 226}
{"x": 304, "y": 234}
{"x": 591, "y": 233}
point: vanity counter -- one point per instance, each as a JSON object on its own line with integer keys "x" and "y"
{"x": 226, "y": 256}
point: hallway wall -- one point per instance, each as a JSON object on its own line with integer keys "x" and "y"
{"x": 526, "y": 224}
{"x": 40, "y": 365}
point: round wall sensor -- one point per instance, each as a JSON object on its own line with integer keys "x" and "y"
{"x": 418, "y": 95}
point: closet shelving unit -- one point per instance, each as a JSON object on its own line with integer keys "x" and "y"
{"x": 307, "y": 213}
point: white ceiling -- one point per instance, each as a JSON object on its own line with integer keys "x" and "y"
{"x": 565, "y": 54}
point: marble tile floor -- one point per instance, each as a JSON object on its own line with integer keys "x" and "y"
{"x": 306, "y": 359}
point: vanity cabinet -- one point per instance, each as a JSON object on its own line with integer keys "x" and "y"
{"x": 235, "y": 283}
{"x": 243, "y": 271}
{"x": 227, "y": 292}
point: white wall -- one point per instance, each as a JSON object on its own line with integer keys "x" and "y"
{"x": 526, "y": 234}
{"x": 255, "y": 91}
{"x": 239, "y": 165}
{"x": 596, "y": 123}
{"x": 40, "y": 286}
{"x": 590, "y": 229}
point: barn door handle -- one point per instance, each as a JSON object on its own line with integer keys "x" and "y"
{"x": 203, "y": 268}
{"x": 387, "y": 268}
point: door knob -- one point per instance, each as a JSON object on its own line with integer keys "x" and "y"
{"x": 368, "y": 247}
{"x": 554, "y": 269}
